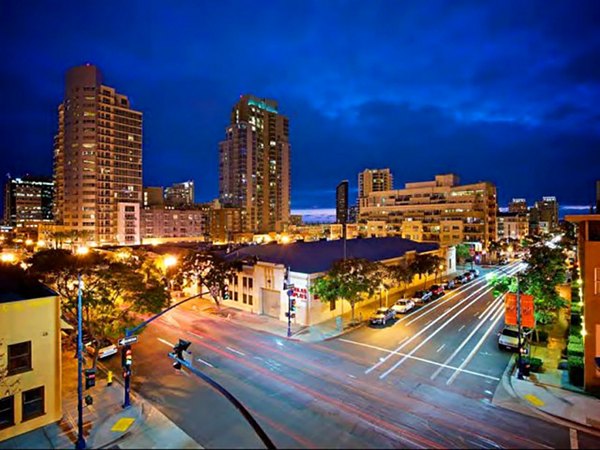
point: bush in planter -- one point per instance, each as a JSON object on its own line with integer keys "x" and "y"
{"x": 575, "y": 365}
{"x": 576, "y": 308}
{"x": 535, "y": 364}
{"x": 574, "y": 339}
{"x": 575, "y": 319}
{"x": 575, "y": 349}
{"x": 575, "y": 330}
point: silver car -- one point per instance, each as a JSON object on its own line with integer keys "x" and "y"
{"x": 403, "y": 306}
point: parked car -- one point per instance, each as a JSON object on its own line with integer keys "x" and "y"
{"x": 105, "y": 349}
{"x": 422, "y": 297}
{"x": 436, "y": 290}
{"x": 460, "y": 279}
{"x": 382, "y": 315}
{"x": 475, "y": 272}
{"x": 403, "y": 305}
{"x": 450, "y": 284}
{"x": 468, "y": 276}
{"x": 508, "y": 338}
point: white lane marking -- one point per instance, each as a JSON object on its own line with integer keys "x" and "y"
{"x": 497, "y": 317}
{"x": 461, "y": 328}
{"x": 382, "y": 360}
{"x": 440, "y": 349}
{"x": 166, "y": 342}
{"x": 195, "y": 334}
{"x": 428, "y": 338}
{"x": 468, "y": 338}
{"x": 350, "y": 375}
{"x": 235, "y": 351}
{"x": 416, "y": 358}
{"x": 444, "y": 314}
{"x": 573, "y": 438}
{"x": 204, "y": 362}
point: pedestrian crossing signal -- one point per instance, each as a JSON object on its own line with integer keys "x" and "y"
{"x": 90, "y": 378}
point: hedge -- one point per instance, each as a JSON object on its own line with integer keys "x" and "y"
{"x": 575, "y": 330}
{"x": 575, "y": 367}
{"x": 576, "y": 308}
{"x": 573, "y": 339}
{"x": 575, "y": 349}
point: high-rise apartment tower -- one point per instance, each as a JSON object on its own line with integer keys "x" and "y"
{"x": 98, "y": 161}
{"x": 374, "y": 180}
{"x": 254, "y": 164}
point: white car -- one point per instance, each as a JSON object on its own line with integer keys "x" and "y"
{"x": 508, "y": 339}
{"x": 105, "y": 349}
{"x": 403, "y": 305}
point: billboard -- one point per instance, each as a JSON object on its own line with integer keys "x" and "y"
{"x": 527, "y": 310}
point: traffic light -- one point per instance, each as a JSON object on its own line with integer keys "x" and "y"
{"x": 126, "y": 356}
{"x": 90, "y": 378}
{"x": 178, "y": 350}
{"x": 226, "y": 293}
{"x": 293, "y": 305}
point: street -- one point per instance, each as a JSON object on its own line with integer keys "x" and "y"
{"x": 425, "y": 381}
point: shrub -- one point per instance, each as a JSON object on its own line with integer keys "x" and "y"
{"x": 575, "y": 319}
{"x": 535, "y": 364}
{"x": 574, "y": 339}
{"x": 576, "y": 308}
{"x": 575, "y": 365}
{"x": 575, "y": 330}
{"x": 575, "y": 349}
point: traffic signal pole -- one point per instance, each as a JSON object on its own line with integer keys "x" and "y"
{"x": 289, "y": 295}
{"x": 127, "y": 352}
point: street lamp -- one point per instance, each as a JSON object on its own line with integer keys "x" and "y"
{"x": 169, "y": 261}
{"x": 82, "y": 250}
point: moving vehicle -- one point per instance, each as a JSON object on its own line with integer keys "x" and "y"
{"x": 382, "y": 315}
{"x": 508, "y": 338}
{"x": 436, "y": 290}
{"x": 403, "y": 305}
{"x": 105, "y": 348}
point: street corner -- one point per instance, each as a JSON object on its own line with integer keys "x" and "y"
{"x": 534, "y": 400}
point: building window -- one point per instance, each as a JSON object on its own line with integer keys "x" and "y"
{"x": 250, "y": 283}
{"x": 33, "y": 403}
{"x": 7, "y": 412}
{"x": 19, "y": 358}
{"x": 249, "y": 299}
{"x": 245, "y": 282}
{"x": 235, "y": 296}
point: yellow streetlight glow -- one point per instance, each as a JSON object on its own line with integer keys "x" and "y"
{"x": 41, "y": 243}
{"x": 8, "y": 257}
{"x": 169, "y": 261}
{"x": 285, "y": 239}
{"x": 83, "y": 250}
{"x": 29, "y": 242}
{"x": 123, "y": 255}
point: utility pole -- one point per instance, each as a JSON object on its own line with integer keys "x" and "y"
{"x": 519, "y": 357}
{"x": 80, "y": 444}
{"x": 288, "y": 288}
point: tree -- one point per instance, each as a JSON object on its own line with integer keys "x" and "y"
{"x": 401, "y": 274}
{"x": 463, "y": 253}
{"x": 425, "y": 264}
{"x": 351, "y": 279}
{"x": 113, "y": 291}
{"x": 209, "y": 270}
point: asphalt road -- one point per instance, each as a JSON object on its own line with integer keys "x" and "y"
{"x": 425, "y": 381}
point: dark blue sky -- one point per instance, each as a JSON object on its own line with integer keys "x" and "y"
{"x": 500, "y": 91}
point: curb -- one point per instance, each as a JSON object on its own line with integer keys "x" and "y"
{"x": 553, "y": 417}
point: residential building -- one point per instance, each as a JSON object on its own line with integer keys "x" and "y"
{"x": 440, "y": 211}
{"x": 374, "y": 180}
{"x": 513, "y": 225}
{"x": 589, "y": 263}
{"x": 98, "y": 161}
{"x": 543, "y": 216}
{"x": 254, "y": 165}
{"x": 341, "y": 202}
{"x": 259, "y": 286}
{"x": 28, "y": 201}
{"x": 170, "y": 223}
{"x": 352, "y": 214}
{"x": 30, "y": 343}
{"x": 153, "y": 196}
{"x": 225, "y": 223}
{"x": 180, "y": 195}
{"x": 518, "y": 205}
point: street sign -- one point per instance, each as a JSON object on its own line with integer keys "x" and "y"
{"x": 128, "y": 340}
{"x": 288, "y": 286}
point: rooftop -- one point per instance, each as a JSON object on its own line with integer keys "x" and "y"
{"x": 319, "y": 256}
{"x": 16, "y": 285}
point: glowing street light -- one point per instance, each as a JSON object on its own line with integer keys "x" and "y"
{"x": 29, "y": 242}
{"x": 83, "y": 250}
{"x": 285, "y": 239}
{"x": 41, "y": 243}
{"x": 169, "y": 261}
{"x": 8, "y": 257}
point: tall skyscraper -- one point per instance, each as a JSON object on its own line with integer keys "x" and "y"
{"x": 374, "y": 180}
{"x": 254, "y": 164}
{"x": 98, "y": 161}
{"x": 28, "y": 201}
{"x": 544, "y": 215}
{"x": 341, "y": 202}
{"x": 180, "y": 194}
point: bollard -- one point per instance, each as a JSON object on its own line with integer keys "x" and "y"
{"x": 110, "y": 377}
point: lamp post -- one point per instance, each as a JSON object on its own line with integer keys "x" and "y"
{"x": 80, "y": 444}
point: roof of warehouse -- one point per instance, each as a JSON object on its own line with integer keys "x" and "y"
{"x": 319, "y": 256}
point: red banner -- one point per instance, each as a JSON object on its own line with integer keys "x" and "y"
{"x": 527, "y": 310}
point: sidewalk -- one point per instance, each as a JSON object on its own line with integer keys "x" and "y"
{"x": 106, "y": 423}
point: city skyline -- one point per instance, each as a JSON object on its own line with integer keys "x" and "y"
{"x": 349, "y": 108}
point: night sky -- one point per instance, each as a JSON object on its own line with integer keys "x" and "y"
{"x": 502, "y": 91}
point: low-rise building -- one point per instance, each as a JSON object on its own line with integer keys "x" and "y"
{"x": 440, "y": 211}
{"x": 589, "y": 264}
{"x": 175, "y": 223}
{"x": 513, "y": 225}
{"x": 30, "y": 354}
{"x": 259, "y": 288}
